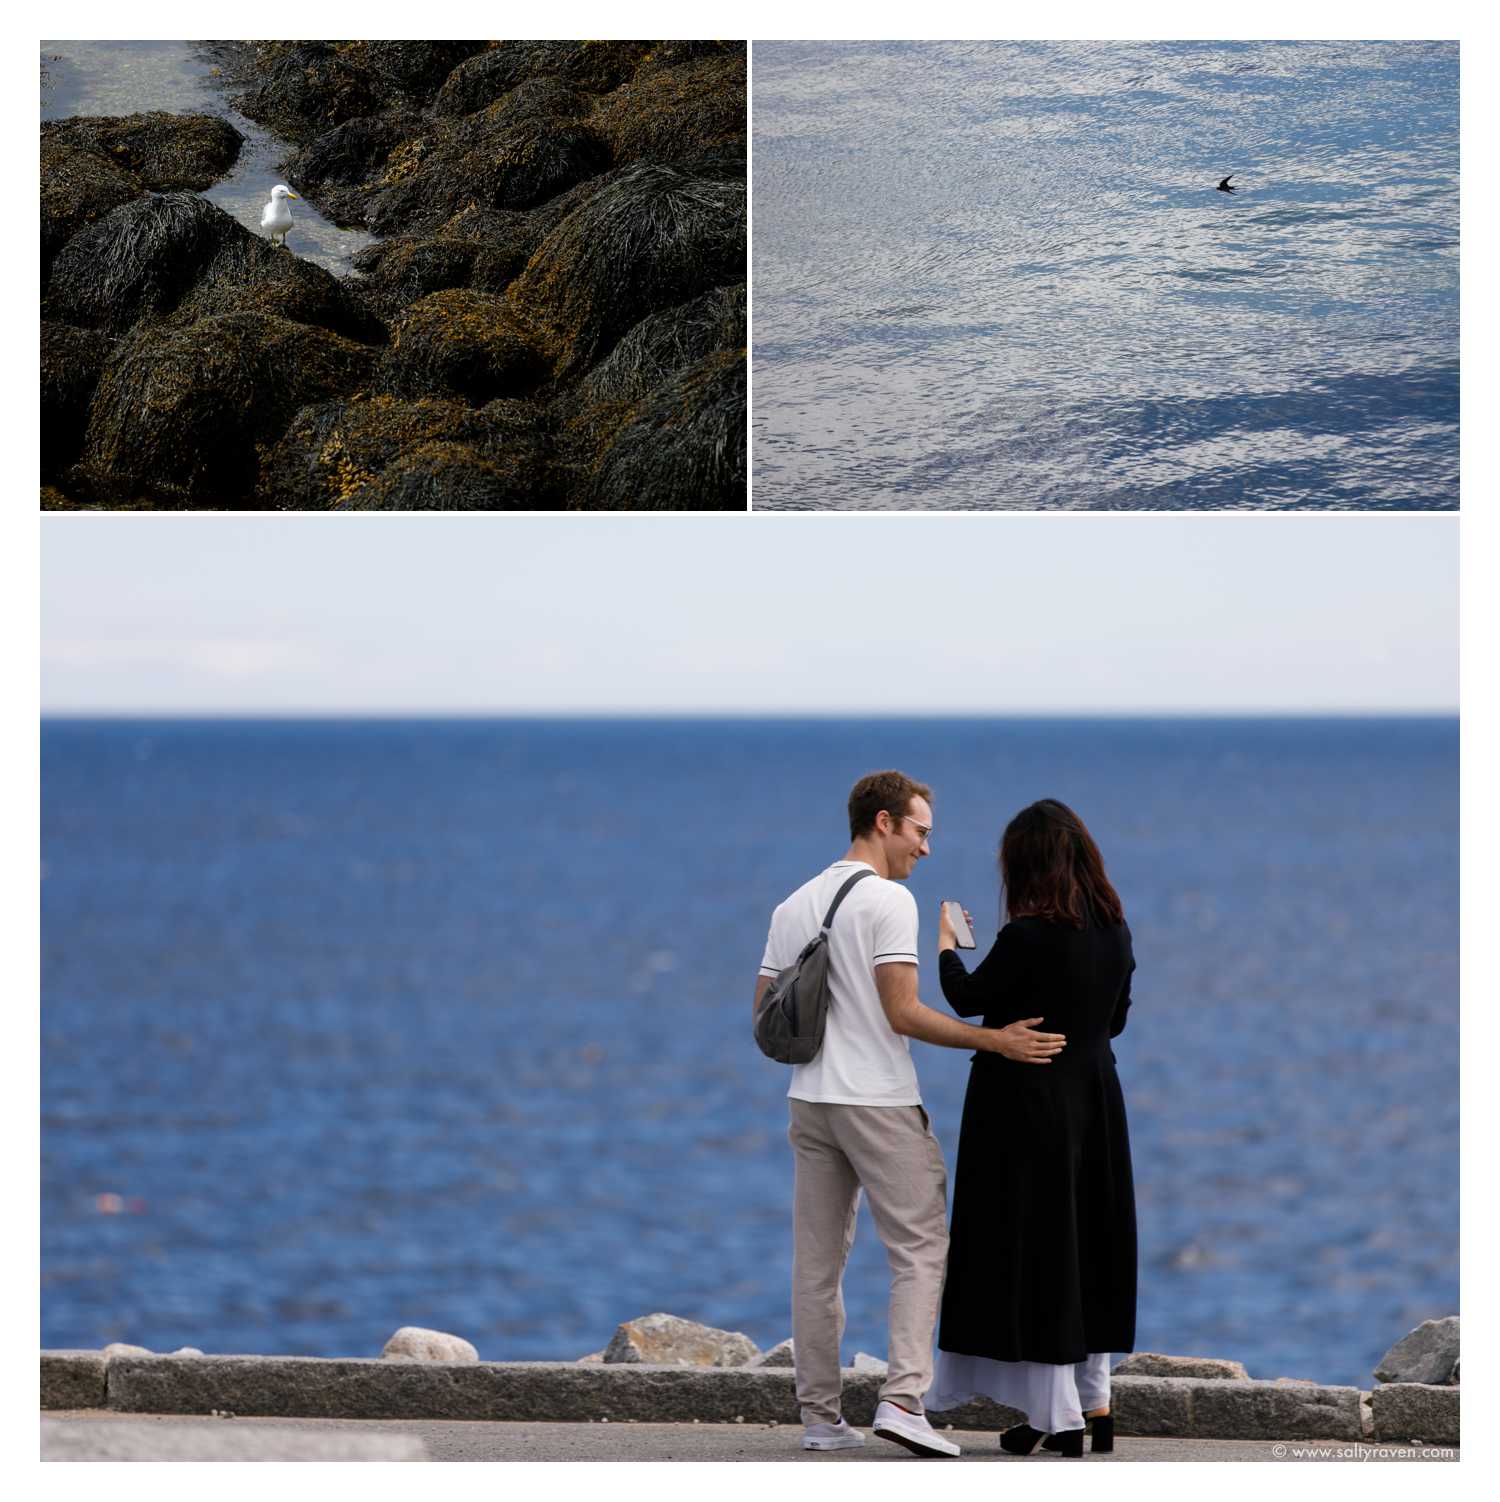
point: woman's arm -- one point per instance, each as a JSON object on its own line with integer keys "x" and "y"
{"x": 993, "y": 986}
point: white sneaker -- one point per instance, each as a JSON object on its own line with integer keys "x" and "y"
{"x": 839, "y": 1436}
{"x": 912, "y": 1430}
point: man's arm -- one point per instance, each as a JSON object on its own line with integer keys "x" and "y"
{"x": 1020, "y": 1041}
{"x": 761, "y": 982}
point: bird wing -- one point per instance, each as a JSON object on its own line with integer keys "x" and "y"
{"x": 1225, "y": 183}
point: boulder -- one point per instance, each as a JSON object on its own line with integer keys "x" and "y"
{"x": 72, "y": 360}
{"x": 163, "y": 151}
{"x": 79, "y": 187}
{"x": 670, "y": 114}
{"x": 120, "y": 1348}
{"x": 781, "y": 1354}
{"x": 412, "y": 1343}
{"x": 1150, "y": 1364}
{"x": 1427, "y": 1355}
{"x": 654, "y": 237}
{"x": 864, "y": 1362}
{"x": 480, "y": 81}
{"x": 488, "y": 162}
{"x": 155, "y": 256}
{"x": 301, "y": 89}
{"x": 183, "y": 412}
{"x": 460, "y": 343}
{"x": 445, "y": 477}
{"x": 665, "y": 344}
{"x": 681, "y": 449}
{"x": 1406, "y": 1411}
{"x": 666, "y": 1340}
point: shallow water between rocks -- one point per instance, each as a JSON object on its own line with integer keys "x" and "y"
{"x": 126, "y": 78}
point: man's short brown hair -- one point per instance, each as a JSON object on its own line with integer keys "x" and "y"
{"x": 891, "y": 791}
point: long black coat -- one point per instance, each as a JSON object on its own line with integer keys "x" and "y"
{"x": 1042, "y": 1254}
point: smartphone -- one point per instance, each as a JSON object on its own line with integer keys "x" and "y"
{"x": 955, "y": 912}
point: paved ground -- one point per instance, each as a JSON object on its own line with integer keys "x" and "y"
{"x": 96, "y": 1434}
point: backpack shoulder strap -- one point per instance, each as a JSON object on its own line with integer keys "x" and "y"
{"x": 843, "y": 892}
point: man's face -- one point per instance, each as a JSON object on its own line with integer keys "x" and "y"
{"x": 906, "y": 843}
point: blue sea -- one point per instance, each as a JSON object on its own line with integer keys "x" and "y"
{"x": 355, "y": 1024}
{"x": 1000, "y": 276}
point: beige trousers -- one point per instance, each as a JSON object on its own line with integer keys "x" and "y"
{"x": 890, "y": 1153}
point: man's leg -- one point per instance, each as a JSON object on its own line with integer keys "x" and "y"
{"x": 900, "y": 1165}
{"x": 824, "y": 1205}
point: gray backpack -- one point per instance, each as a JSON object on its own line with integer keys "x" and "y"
{"x": 794, "y": 1011}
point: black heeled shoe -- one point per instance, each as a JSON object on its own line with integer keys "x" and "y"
{"x": 1022, "y": 1440}
{"x": 1101, "y": 1431}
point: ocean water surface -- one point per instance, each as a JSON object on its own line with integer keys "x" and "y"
{"x": 350, "y": 1025}
{"x": 999, "y": 275}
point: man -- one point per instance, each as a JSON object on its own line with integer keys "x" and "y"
{"x": 857, "y": 1120}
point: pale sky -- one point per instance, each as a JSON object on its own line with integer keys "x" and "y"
{"x": 641, "y": 614}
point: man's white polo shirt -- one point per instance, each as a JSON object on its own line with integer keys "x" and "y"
{"x": 862, "y": 1062}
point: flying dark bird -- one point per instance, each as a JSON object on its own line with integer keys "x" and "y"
{"x": 1224, "y": 186}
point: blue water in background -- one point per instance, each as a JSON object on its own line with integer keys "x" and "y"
{"x": 997, "y": 275}
{"x": 446, "y": 1022}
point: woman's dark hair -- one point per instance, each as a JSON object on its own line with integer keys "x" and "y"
{"x": 1052, "y": 869}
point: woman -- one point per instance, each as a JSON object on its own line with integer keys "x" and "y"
{"x": 1041, "y": 1256}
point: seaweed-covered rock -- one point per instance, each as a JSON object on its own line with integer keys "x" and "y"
{"x": 666, "y": 343}
{"x": 447, "y": 477}
{"x": 302, "y": 88}
{"x": 665, "y": 55}
{"x": 398, "y": 272}
{"x": 71, "y": 362}
{"x": 683, "y": 448}
{"x": 654, "y": 237}
{"x": 348, "y": 156}
{"x": 676, "y": 113}
{"x": 153, "y": 256}
{"x": 481, "y": 80}
{"x": 332, "y": 448}
{"x": 79, "y": 187}
{"x": 460, "y": 343}
{"x": 164, "y": 151}
{"x": 183, "y": 410}
{"x": 545, "y": 98}
{"x": 484, "y": 162}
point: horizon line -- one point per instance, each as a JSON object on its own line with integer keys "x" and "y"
{"x": 583, "y": 713}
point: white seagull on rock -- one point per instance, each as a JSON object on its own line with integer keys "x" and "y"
{"x": 276, "y": 217}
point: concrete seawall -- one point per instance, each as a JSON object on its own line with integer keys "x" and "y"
{"x": 542, "y": 1391}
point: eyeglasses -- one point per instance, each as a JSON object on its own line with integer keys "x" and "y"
{"x": 923, "y": 830}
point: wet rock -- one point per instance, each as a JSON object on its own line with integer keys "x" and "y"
{"x": 1150, "y": 1364}
{"x": 481, "y": 80}
{"x": 666, "y": 1340}
{"x": 446, "y": 477}
{"x": 164, "y": 151}
{"x": 674, "y": 114}
{"x": 1428, "y": 1355}
{"x": 484, "y": 163}
{"x": 72, "y": 359}
{"x": 680, "y": 449}
{"x": 412, "y": 1343}
{"x": 79, "y": 187}
{"x": 334, "y": 448}
{"x": 654, "y": 237}
{"x": 301, "y": 89}
{"x": 348, "y": 156}
{"x": 667, "y": 343}
{"x": 183, "y": 411}
{"x": 154, "y": 256}
{"x": 459, "y": 343}
{"x": 781, "y": 1354}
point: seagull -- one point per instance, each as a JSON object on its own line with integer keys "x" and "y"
{"x": 276, "y": 217}
{"x": 1222, "y": 188}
